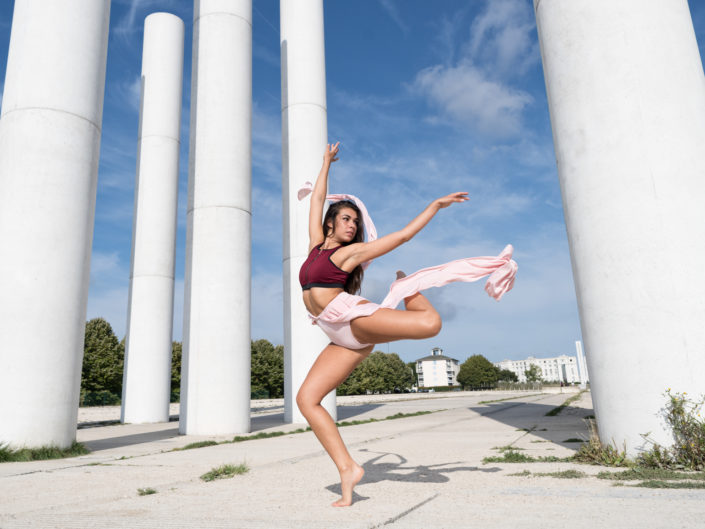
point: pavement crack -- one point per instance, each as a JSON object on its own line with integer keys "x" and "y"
{"x": 411, "y": 509}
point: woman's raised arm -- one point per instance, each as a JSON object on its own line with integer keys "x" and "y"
{"x": 371, "y": 250}
{"x": 318, "y": 197}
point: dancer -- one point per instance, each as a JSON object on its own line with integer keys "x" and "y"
{"x": 330, "y": 278}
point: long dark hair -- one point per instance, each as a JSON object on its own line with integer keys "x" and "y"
{"x": 354, "y": 281}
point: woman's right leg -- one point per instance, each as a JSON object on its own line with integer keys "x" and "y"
{"x": 330, "y": 369}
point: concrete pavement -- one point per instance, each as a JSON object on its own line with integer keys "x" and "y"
{"x": 421, "y": 472}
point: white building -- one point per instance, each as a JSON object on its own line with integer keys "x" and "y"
{"x": 437, "y": 370}
{"x": 562, "y": 368}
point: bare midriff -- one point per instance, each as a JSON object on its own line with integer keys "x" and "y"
{"x": 317, "y": 298}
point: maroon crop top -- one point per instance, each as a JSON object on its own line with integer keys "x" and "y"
{"x": 319, "y": 271}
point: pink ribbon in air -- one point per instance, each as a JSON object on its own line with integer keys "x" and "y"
{"x": 501, "y": 269}
{"x": 367, "y": 223}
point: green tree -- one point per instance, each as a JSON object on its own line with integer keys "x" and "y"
{"x": 267, "y": 369}
{"x": 477, "y": 371}
{"x": 176, "y": 350}
{"x": 379, "y": 372}
{"x": 506, "y": 375}
{"x": 533, "y": 374}
{"x": 103, "y": 358}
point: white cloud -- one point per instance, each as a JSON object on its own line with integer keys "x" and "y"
{"x": 393, "y": 11}
{"x": 475, "y": 91}
{"x": 465, "y": 95}
{"x": 502, "y": 38}
{"x": 132, "y": 22}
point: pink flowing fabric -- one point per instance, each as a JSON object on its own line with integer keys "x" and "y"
{"x": 336, "y": 317}
{"x": 367, "y": 223}
{"x": 501, "y": 269}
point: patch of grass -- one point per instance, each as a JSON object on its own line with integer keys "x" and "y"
{"x": 539, "y": 441}
{"x": 594, "y": 452}
{"x": 688, "y": 428}
{"x": 260, "y": 435}
{"x": 564, "y": 474}
{"x": 589, "y": 417}
{"x": 656, "y": 484}
{"x": 146, "y": 492}
{"x": 507, "y": 447}
{"x": 574, "y": 440}
{"x": 388, "y": 418}
{"x": 640, "y": 473}
{"x": 8, "y": 454}
{"x": 267, "y": 435}
{"x": 510, "y": 456}
{"x": 509, "y": 398}
{"x": 225, "y": 471}
{"x": 568, "y": 401}
{"x": 199, "y": 444}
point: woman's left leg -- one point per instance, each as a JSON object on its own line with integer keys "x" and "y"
{"x": 331, "y": 368}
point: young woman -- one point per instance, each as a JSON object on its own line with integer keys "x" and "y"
{"x": 330, "y": 278}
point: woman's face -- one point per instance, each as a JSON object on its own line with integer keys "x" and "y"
{"x": 346, "y": 225}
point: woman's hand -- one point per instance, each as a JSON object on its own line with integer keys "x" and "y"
{"x": 444, "y": 202}
{"x": 330, "y": 155}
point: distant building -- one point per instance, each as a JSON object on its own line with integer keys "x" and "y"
{"x": 437, "y": 370}
{"x": 562, "y": 368}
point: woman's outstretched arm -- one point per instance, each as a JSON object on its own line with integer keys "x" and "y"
{"x": 318, "y": 197}
{"x": 371, "y": 250}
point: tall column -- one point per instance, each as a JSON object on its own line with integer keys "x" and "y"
{"x": 50, "y": 130}
{"x": 304, "y": 137}
{"x": 215, "y": 382}
{"x": 626, "y": 95}
{"x": 146, "y": 385}
{"x": 582, "y": 368}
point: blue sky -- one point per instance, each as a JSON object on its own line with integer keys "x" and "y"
{"x": 426, "y": 98}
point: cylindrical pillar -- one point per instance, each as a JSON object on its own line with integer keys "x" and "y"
{"x": 582, "y": 368}
{"x": 49, "y": 146}
{"x": 304, "y": 138}
{"x": 626, "y": 95}
{"x": 146, "y": 385}
{"x": 215, "y": 382}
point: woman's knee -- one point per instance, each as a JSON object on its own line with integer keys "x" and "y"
{"x": 305, "y": 400}
{"x": 431, "y": 324}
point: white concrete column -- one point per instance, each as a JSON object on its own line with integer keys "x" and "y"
{"x": 147, "y": 377}
{"x": 304, "y": 138}
{"x": 582, "y": 367}
{"x": 215, "y": 380}
{"x": 626, "y": 94}
{"x": 50, "y": 130}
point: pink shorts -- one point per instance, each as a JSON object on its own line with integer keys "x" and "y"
{"x": 336, "y": 317}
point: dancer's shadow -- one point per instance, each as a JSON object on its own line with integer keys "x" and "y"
{"x": 377, "y": 470}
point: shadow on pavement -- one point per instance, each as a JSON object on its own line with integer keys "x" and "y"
{"x": 531, "y": 416}
{"x": 394, "y": 468}
{"x": 96, "y": 445}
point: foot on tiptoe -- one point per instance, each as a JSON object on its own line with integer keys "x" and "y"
{"x": 400, "y": 274}
{"x": 348, "y": 479}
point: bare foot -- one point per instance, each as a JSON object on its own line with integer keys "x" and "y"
{"x": 348, "y": 479}
{"x": 400, "y": 274}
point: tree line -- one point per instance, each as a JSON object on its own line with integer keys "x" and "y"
{"x": 104, "y": 358}
{"x": 104, "y": 354}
